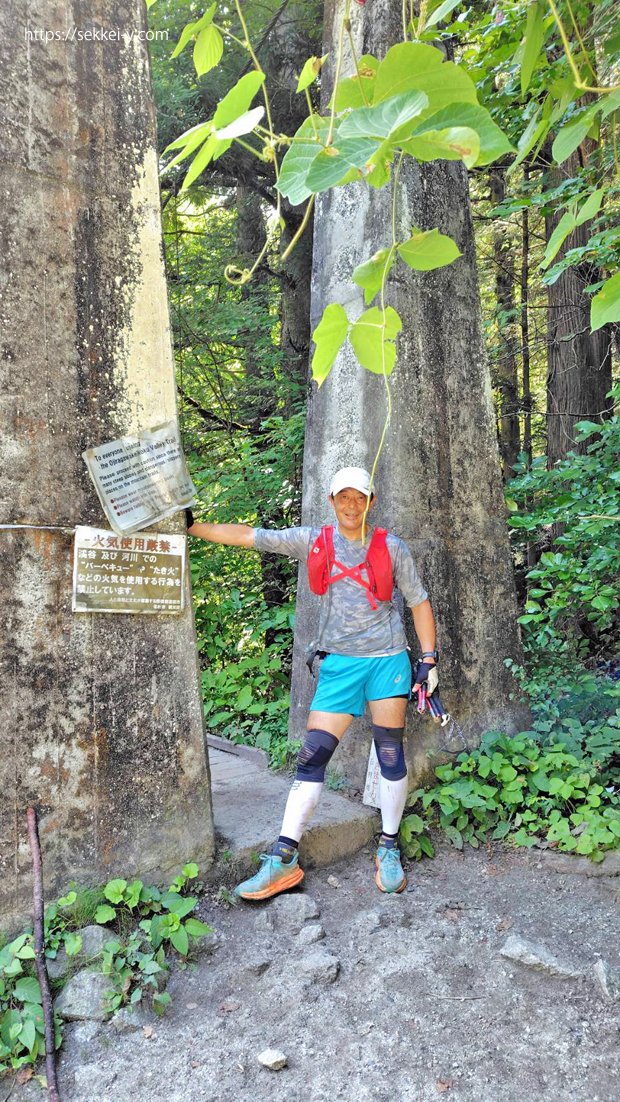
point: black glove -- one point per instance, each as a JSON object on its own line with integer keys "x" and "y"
{"x": 189, "y": 518}
{"x": 427, "y": 671}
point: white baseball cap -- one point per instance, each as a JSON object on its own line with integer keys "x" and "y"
{"x": 357, "y": 478}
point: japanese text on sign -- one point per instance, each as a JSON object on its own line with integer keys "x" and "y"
{"x": 141, "y": 479}
{"x": 144, "y": 572}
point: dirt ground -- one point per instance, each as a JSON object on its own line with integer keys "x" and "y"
{"x": 379, "y": 998}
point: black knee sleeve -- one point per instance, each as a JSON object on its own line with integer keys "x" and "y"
{"x": 314, "y": 755}
{"x": 389, "y": 747}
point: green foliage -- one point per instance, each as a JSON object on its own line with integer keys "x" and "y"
{"x": 576, "y": 583}
{"x": 414, "y": 838}
{"x": 148, "y": 924}
{"x": 22, "y": 1029}
{"x": 512, "y": 789}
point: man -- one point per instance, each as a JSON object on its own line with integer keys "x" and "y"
{"x": 365, "y": 660}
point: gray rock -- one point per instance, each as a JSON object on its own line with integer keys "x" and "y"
{"x": 310, "y": 933}
{"x": 257, "y": 965}
{"x": 292, "y": 911}
{"x": 84, "y": 997}
{"x": 320, "y": 966}
{"x": 80, "y": 1035}
{"x": 265, "y": 922}
{"x": 93, "y": 939}
{"x": 273, "y": 1058}
{"x": 130, "y": 1019}
{"x": 608, "y": 979}
{"x": 537, "y": 956}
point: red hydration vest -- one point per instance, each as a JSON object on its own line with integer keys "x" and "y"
{"x": 378, "y": 582}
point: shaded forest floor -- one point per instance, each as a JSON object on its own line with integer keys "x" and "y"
{"x": 381, "y": 998}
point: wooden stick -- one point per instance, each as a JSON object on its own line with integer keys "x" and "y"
{"x": 39, "y": 952}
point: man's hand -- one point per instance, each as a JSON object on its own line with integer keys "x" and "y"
{"x": 426, "y": 671}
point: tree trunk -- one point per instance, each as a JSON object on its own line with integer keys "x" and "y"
{"x": 579, "y": 362}
{"x": 438, "y": 480}
{"x": 506, "y": 380}
{"x": 101, "y": 714}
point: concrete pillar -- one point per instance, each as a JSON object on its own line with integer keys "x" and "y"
{"x": 438, "y": 479}
{"x": 101, "y": 718}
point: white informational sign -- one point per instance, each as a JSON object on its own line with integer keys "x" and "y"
{"x": 141, "y": 479}
{"x": 144, "y": 572}
{"x": 373, "y": 777}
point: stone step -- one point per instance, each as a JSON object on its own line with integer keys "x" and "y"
{"x": 248, "y": 803}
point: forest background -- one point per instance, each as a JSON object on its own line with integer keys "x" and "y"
{"x": 545, "y": 220}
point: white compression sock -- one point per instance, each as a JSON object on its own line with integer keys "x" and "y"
{"x": 392, "y": 800}
{"x": 300, "y": 807}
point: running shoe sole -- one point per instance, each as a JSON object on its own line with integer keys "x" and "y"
{"x": 281, "y": 885}
{"x": 380, "y": 885}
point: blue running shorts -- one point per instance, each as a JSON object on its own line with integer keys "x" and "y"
{"x": 346, "y": 683}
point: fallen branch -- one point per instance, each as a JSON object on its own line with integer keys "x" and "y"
{"x": 39, "y": 952}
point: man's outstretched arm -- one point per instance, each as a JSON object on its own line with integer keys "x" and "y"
{"x": 235, "y": 535}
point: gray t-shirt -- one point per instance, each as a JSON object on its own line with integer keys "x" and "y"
{"x": 347, "y": 622}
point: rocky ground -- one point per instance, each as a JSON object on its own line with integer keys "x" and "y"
{"x": 494, "y": 978}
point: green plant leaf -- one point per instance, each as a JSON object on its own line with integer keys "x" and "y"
{"x": 179, "y": 905}
{"x": 114, "y": 890}
{"x": 193, "y": 29}
{"x": 441, "y": 12}
{"x": 104, "y": 914}
{"x": 571, "y": 136}
{"x": 28, "y": 1034}
{"x": 373, "y": 339}
{"x": 190, "y": 870}
{"x": 310, "y": 72}
{"x": 331, "y": 164}
{"x": 410, "y": 65}
{"x": 382, "y": 120}
{"x": 428, "y": 249}
{"x": 570, "y": 221}
{"x": 370, "y": 274}
{"x": 457, "y": 143}
{"x": 493, "y": 141}
{"x": 245, "y": 698}
{"x": 534, "y": 34}
{"x": 180, "y": 940}
{"x": 208, "y": 50}
{"x": 73, "y": 943}
{"x": 357, "y": 91}
{"x": 68, "y": 899}
{"x": 606, "y": 304}
{"x": 243, "y": 125}
{"x": 329, "y": 336}
{"x": 298, "y": 158}
{"x": 195, "y": 928}
{"x": 27, "y": 989}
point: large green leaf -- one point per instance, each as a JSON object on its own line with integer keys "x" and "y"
{"x": 457, "y": 143}
{"x": 331, "y": 164}
{"x": 370, "y": 274}
{"x": 298, "y": 158}
{"x": 606, "y": 303}
{"x": 609, "y": 103}
{"x": 412, "y": 65}
{"x": 428, "y": 249}
{"x": 534, "y": 33}
{"x": 27, "y": 989}
{"x": 570, "y": 137}
{"x": 208, "y": 50}
{"x": 569, "y": 221}
{"x": 493, "y": 142}
{"x": 358, "y": 91}
{"x": 382, "y": 120}
{"x": 373, "y": 339}
{"x": 199, "y": 134}
{"x": 329, "y": 336}
{"x": 201, "y": 131}
{"x": 233, "y": 106}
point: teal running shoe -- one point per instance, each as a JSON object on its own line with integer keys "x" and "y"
{"x": 389, "y": 876}
{"x": 273, "y": 876}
